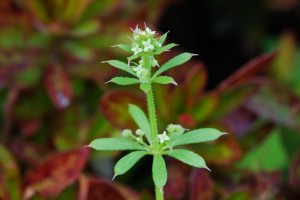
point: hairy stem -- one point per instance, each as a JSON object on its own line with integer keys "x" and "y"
{"x": 153, "y": 122}
{"x": 152, "y": 118}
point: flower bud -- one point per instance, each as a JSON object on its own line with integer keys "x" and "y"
{"x": 175, "y": 129}
{"x": 139, "y": 132}
{"x": 126, "y": 133}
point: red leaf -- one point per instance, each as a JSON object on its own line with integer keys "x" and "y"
{"x": 58, "y": 86}
{"x": 250, "y": 69}
{"x": 294, "y": 178}
{"x": 187, "y": 120}
{"x": 177, "y": 181}
{"x": 30, "y": 126}
{"x": 3, "y": 189}
{"x": 114, "y": 106}
{"x": 201, "y": 186}
{"x": 57, "y": 173}
{"x": 223, "y": 152}
{"x": 100, "y": 190}
{"x": 239, "y": 120}
{"x": 10, "y": 103}
{"x": 194, "y": 84}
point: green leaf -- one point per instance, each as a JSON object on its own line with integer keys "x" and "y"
{"x": 120, "y": 65}
{"x": 145, "y": 87}
{"x": 269, "y": 155}
{"x": 241, "y": 195}
{"x": 123, "y": 47}
{"x": 128, "y": 161}
{"x": 164, "y": 80}
{"x": 133, "y": 57}
{"x": 115, "y": 144}
{"x": 86, "y": 28}
{"x": 159, "y": 171}
{"x": 162, "y": 39}
{"x": 140, "y": 119}
{"x": 164, "y": 48}
{"x": 196, "y": 136}
{"x": 178, "y": 60}
{"x": 188, "y": 157}
{"x": 124, "y": 81}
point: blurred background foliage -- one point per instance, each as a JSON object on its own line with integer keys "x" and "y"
{"x": 54, "y": 100}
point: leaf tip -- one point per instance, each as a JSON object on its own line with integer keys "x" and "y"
{"x": 207, "y": 168}
{"x": 115, "y": 175}
{"x": 105, "y": 61}
{"x": 224, "y": 133}
{"x": 108, "y": 82}
{"x": 88, "y": 146}
{"x": 194, "y": 54}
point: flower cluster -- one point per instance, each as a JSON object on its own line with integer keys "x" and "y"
{"x": 172, "y": 132}
{"x": 144, "y": 42}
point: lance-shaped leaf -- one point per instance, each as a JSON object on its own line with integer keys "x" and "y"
{"x": 159, "y": 171}
{"x": 56, "y": 174}
{"x": 164, "y": 80}
{"x": 124, "y": 81}
{"x": 123, "y": 47}
{"x": 115, "y": 144}
{"x": 128, "y": 161}
{"x": 189, "y": 158}
{"x": 162, "y": 39}
{"x": 178, "y": 60}
{"x": 140, "y": 119}
{"x": 165, "y": 48}
{"x": 120, "y": 65}
{"x": 133, "y": 57}
{"x": 199, "y": 135}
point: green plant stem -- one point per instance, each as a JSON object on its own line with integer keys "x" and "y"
{"x": 153, "y": 122}
{"x": 159, "y": 193}
{"x": 152, "y": 118}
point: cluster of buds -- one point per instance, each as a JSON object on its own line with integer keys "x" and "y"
{"x": 173, "y": 131}
{"x": 139, "y": 134}
{"x": 144, "y": 42}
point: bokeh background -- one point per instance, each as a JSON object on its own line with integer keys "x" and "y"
{"x": 54, "y": 100}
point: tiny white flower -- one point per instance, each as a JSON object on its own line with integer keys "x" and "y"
{"x": 137, "y": 30}
{"x": 163, "y": 137}
{"x": 136, "y": 49}
{"x": 149, "y": 31}
{"x": 154, "y": 62}
{"x": 147, "y": 45}
{"x": 139, "y": 132}
{"x": 138, "y": 68}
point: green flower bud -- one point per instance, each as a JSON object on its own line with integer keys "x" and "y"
{"x": 126, "y": 133}
{"x": 175, "y": 129}
{"x": 139, "y": 132}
